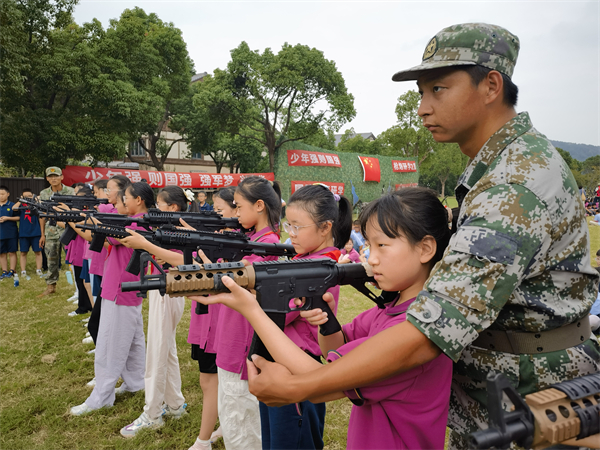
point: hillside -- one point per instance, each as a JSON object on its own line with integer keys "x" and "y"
{"x": 580, "y": 152}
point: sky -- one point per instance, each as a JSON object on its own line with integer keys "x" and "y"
{"x": 558, "y": 70}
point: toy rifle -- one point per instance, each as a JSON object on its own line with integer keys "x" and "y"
{"x": 81, "y": 202}
{"x": 276, "y": 283}
{"x": 566, "y": 413}
{"x": 112, "y": 227}
{"x": 202, "y": 221}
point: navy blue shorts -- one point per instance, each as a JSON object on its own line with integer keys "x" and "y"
{"x": 33, "y": 242}
{"x": 85, "y": 271}
{"x": 8, "y": 245}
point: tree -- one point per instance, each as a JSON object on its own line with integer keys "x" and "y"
{"x": 408, "y": 137}
{"x": 159, "y": 68}
{"x": 445, "y": 163}
{"x": 573, "y": 164}
{"x": 355, "y": 143}
{"x": 277, "y": 98}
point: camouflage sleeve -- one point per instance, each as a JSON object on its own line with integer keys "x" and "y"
{"x": 502, "y": 230}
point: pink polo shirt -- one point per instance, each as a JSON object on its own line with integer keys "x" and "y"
{"x": 76, "y": 249}
{"x": 98, "y": 259}
{"x": 234, "y": 333}
{"x": 115, "y": 273}
{"x": 406, "y": 411}
{"x": 302, "y": 333}
{"x": 354, "y": 256}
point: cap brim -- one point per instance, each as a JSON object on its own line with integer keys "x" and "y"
{"x": 415, "y": 72}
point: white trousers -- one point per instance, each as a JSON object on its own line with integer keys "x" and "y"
{"x": 120, "y": 352}
{"x": 239, "y": 414}
{"x": 162, "y": 379}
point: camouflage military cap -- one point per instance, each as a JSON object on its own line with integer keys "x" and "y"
{"x": 468, "y": 44}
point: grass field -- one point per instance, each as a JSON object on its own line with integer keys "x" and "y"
{"x": 44, "y": 368}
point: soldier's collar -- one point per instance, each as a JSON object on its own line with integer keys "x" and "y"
{"x": 514, "y": 128}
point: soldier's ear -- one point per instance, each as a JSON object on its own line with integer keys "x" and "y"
{"x": 428, "y": 247}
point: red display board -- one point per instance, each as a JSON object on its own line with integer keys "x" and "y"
{"x": 404, "y": 166}
{"x": 336, "y": 188}
{"x": 307, "y": 158}
{"x": 80, "y": 174}
{"x": 400, "y": 186}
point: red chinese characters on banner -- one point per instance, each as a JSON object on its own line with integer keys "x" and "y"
{"x": 370, "y": 168}
{"x": 400, "y": 186}
{"x": 404, "y": 166}
{"x": 79, "y": 174}
{"x": 306, "y": 158}
{"x": 335, "y": 188}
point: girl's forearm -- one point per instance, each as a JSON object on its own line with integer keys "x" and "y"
{"x": 331, "y": 342}
{"x": 173, "y": 258}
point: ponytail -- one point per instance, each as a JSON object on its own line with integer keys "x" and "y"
{"x": 324, "y": 206}
{"x": 144, "y": 191}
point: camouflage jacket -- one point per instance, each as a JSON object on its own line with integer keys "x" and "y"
{"x": 520, "y": 260}
{"x": 55, "y": 232}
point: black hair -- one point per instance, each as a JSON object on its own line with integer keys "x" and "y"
{"x": 415, "y": 212}
{"x": 255, "y": 188}
{"x": 75, "y": 185}
{"x": 4, "y": 188}
{"x": 122, "y": 181}
{"x": 598, "y": 253}
{"x": 201, "y": 192}
{"x": 226, "y": 194}
{"x": 356, "y": 222}
{"x": 27, "y": 190}
{"x": 478, "y": 73}
{"x": 100, "y": 184}
{"x": 85, "y": 190}
{"x": 142, "y": 190}
{"x": 174, "y": 195}
{"x": 318, "y": 201}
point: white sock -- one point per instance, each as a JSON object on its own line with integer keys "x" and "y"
{"x": 23, "y": 272}
{"x": 204, "y": 443}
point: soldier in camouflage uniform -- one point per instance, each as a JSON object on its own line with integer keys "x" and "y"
{"x": 51, "y": 234}
{"x": 514, "y": 288}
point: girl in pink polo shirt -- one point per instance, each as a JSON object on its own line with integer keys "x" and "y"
{"x": 408, "y": 233}
{"x": 319, "y": 224}
{"x": 258, "y": 205}
{"x": 120, "y": 349}
{"x": 202, "y": 336}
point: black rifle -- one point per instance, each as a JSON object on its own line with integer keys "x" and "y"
{"x": 202, "y": 221}
{"x": 276, "y": 283}
{"x": 112, "y": 227}
{"x": 566, "y": 413}
{"x": 81, "y": 202}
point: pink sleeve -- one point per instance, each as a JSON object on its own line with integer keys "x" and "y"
{"x": 360, "y": 325}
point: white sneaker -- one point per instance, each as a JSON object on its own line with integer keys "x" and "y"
{"x": 216, "y": 435}
{"x": 92, "y": 351}
{"x": 73, "y": 297}
{"x": 174, "y": 413}
{"x": 199, "y": 445}
{"x": 87, "y": 340}
{"x": 142, "y": 422}
{"x": 39, "y": 273}
{"x": 88, "y": 333}
{"x": 91, "y": 383}
{"x": 72, "y": 314}
{"x": 80, "y": 409}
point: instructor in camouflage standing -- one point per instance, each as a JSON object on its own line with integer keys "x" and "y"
{"x": 514, "y": 288}
{"x": 51, "y": 234}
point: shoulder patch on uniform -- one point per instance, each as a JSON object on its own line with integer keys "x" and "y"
{"x": 486, "y": 244}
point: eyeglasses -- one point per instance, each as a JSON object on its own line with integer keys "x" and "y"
{"x": 293, "y": 229}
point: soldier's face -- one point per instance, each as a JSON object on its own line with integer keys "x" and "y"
{"x": 451, "y": 105}
{"x": 396, "y": 262}
{"x": 54, "y": 180}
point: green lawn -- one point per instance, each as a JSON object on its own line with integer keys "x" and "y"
{"x": 44, "y": 368}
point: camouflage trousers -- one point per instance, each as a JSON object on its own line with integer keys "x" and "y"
{"x": 528, "y": 373}
{"x": 52, "y": 249}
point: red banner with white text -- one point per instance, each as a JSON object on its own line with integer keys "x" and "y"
{"x": 335, "y": 188}
{"x": 404, "y": 166}
{"x": 80, "y": 174}
{"x": 307, "y": 158}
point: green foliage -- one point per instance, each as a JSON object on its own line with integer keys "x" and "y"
{"x": 442, "y": 168}
{"x": 408, "y": 137}
{"x": 573, "y": 164}
{"x": 71, "y": 91}
{"x": 355, "y": 143}
{"x": 322, "y": 139}
{"x": 277, "y": 98}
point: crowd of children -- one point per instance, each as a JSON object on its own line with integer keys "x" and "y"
{"x": 407, "y": 233}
